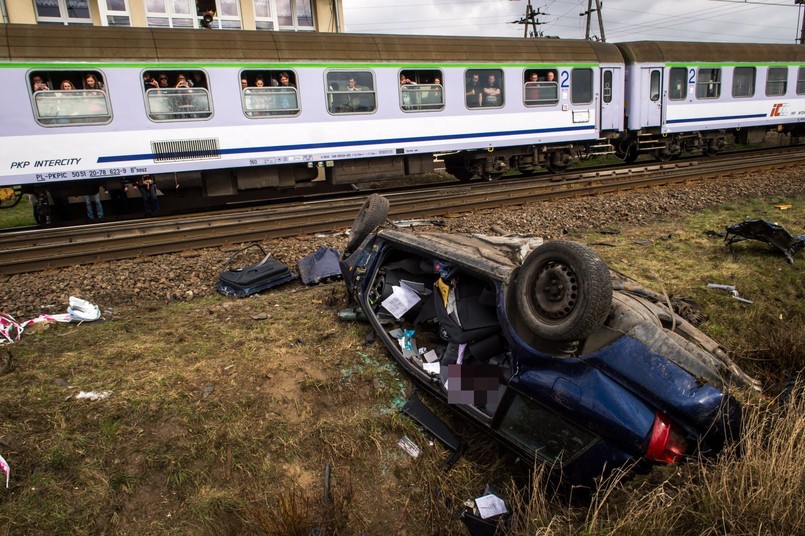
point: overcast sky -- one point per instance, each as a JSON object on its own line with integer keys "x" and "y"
{"x": 754, "y": 21}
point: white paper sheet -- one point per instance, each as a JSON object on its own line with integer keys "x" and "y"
{"x": 490, "y": 505}
{"x": 400, "y": 301}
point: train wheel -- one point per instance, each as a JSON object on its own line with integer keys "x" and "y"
{"x": 709, "y": 151}
{"x": 372, "y": 214}
{"x": 557, "y": 168}
{"x": 663, "y": 156}
{"x": 10, "y": 197}
{"x": 564, "y": 291}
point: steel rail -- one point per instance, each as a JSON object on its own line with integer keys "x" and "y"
{"x": 41, "y": 249}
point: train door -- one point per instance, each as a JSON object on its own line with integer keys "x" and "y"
{"x": 611, "y": 107}
{"x": 651, "y": 97}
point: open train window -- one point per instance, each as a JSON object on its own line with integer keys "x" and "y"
{"x": 678, "y": 83}
{"x": 743, "y": 82}
{"x": 581, "y": 86}
{"x": 68, "y": 98}
{"x": 269, "y": 93}
{"x": 540, "y": 87}
{"x": 776, "y": 81}
{"x": 708, "y": 83}
{"x": 484, "y": 88}
{"x": 801, "y": 81}
{"x": 421, "y": 90}
{"x": 177, "y": 95}
{"x": 350, "y": 92}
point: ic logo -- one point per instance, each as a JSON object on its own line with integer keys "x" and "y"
{"x": 775, "y": 110}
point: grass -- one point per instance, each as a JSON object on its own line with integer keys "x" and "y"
{"x": 222, "y": 424}
{"x": 20, "y": 215}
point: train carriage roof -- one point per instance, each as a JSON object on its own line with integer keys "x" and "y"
{"x": 681, "y": 52}
{"x": 106, "y": 44}
{"x": 3, "y": 46}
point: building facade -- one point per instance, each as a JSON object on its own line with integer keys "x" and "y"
{"x": 281, "y": 15}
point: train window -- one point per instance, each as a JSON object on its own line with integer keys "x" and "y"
{"x": 708, "y": 83}
{"x": 801, "y": 81}
{"x": 421, "y": 90}
{"x": 743, "y": 82}
{"x": 177, "y": 95}
{"x": 269, "y": 93}
{"x": 69, "y": 98}
{"x": 540, "y": 87}
{"x": 350, "y": 92}
{"x": 607, "y": 86}
{"x": 484, "y": 88}
{"x": 678, "y": 83}
{"x": 776, "y": 81}
{"x": 581, "y": 86}
{"x": 655, "y": 84}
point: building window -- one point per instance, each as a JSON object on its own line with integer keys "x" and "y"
{"x": 743, "y": 82}
{"x": 170, "y": 14}
{"x": 776, "y": 81}
{"x": 283, "y": 14}
{"x": 218, "y": 14}
{"x": 63, "y": 11}
{"x": 115, "y": 12}
{"x": 678, "y": 83}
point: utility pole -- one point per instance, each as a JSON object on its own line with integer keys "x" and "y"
{"x": 598, "y": 7}
{"x": 802, "y": 22}
{"x": 530, "y": 19}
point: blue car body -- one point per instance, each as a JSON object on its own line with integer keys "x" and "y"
{"x": 645, "y": 384}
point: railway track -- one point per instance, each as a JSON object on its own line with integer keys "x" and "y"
{"x": 41, "y": 249}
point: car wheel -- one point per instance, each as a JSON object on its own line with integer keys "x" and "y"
{"x": 564, "y": 291}
{"x": 373, "y": 213}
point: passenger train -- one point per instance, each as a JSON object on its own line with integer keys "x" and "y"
{"x": 220, "y": 116}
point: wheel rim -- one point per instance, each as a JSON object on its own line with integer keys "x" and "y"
{"x": 556, "y": 291}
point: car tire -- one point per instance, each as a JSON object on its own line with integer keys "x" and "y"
{"x": 373, "y": 213}
{"x": 564, "y": 291}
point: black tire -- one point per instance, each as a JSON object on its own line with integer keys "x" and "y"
{"x": 373, "y": 213}
{"x": 564, "y": 291}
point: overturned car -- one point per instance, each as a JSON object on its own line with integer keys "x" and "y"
{"x": 559, "y": 358}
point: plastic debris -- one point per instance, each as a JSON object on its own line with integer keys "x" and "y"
{"x": 6, "y": 469}
{"x": 78, "y": 311}
{"x": 765, "y": 231}
{"x": 319, "y": 265}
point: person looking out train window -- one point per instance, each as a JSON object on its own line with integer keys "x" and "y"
{"x": 491, "y": 95}
{"x": 38, "y": 83}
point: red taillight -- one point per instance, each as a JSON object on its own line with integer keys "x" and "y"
{"x": 666, "y": 445}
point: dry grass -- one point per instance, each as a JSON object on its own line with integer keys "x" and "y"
{"x": 219, "y": 423}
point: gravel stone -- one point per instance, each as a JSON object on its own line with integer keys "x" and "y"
{"x": 152, "y": 281}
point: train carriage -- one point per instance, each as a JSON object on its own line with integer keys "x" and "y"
{"x": 685, "y": 96}
{"x": 227, "y": 136}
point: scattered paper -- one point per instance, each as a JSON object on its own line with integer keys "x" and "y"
{"x": 401, "y": 300}
{"x": 409, "y": 446}
{"x": 430, "y": 356}
{"x": 490, "y": 505}
{"x": 433, "y": 368}
{"x": 92, "y": 395}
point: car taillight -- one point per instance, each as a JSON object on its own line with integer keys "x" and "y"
{"x": 666, "y": 445}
